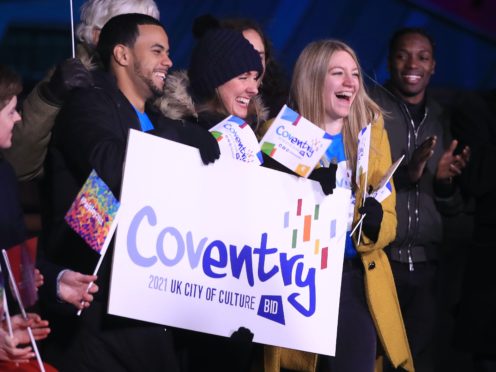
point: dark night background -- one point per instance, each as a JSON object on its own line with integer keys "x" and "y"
{"x": 35, "y": 34}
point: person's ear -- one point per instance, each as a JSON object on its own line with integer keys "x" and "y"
{"x": 433, "y": 67}
{"x": 121, "y": 54}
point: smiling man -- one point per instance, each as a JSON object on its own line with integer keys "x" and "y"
{"x": 411, "y": 64}
{"x": 425, "y": 190}
{"x": 91, "y": 132}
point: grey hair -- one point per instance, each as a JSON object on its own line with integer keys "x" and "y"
{"x": 95, "y": 13}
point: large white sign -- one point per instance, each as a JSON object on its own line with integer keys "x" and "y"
{"x": 212, "y": 248}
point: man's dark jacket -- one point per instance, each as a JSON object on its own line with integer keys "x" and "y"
{"x": 417, "y": 205}
{"x": 91, "y": 132}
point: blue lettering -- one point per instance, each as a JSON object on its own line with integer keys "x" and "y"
{"x": 160, "y": 246}
{"x": 308, "y": 282}
{"x": 287, "y": 267}
{"x": 241, "y": 147}
{"x": 132, "y": 248}
{"x": 262, "y": 251}
{"x": 209, "y": 261}
{"x": 194, "y": 256}
{"x": 244, "y": 256}
{"x": 216, "y": 257}
{"x": 306, "y": 148}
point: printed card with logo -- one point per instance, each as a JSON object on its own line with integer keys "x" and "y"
{"x": 237, "y": 139}
{"x": 295, "y": 142}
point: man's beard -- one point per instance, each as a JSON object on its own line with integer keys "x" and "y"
{"x": 156, "y": 91}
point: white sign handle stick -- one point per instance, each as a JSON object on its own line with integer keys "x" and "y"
{"x": 104, "y": 250}
{"x": 72, "y": 31}
{"x": 363, "y": 203}
{"x": 7, "y": 314}
{"x": 359, "y": 223}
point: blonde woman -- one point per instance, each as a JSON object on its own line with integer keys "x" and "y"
{"x": 327, "y": 88}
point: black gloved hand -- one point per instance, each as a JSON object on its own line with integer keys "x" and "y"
{"x": 371, "y": 224}
{"x": 204, "y": 141}
{"x": 242, "y": 335}
{"x": 326, "y": 176}
{"x": 68, "y": 75}
{"x": 239, "y": 350}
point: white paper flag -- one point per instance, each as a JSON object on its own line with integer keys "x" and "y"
{"x": 237, "y": 139}
{"x": 363, "y": 153}
{"x": 295, "y": 142}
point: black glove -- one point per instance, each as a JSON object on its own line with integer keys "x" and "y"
{"x": 204, "y": 141}
{"x": 371, "y": 224}
{"x": 239, "y": 350}
{"x": 242, "y": 335}
{"x": 68, "y": 75}
{"x": 326, "y": 176}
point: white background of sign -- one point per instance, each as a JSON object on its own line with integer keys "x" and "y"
{"x": 235, "y": 203}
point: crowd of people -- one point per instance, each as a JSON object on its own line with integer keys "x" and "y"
{"x": 77, "y": 120}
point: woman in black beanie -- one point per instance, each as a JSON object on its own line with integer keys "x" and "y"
{"x": 222, "y": 80}
{"x": 274, "y": 88}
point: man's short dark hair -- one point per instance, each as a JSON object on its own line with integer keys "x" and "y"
{"x": 121, "y": 29}
{"x": 405, "y": 31}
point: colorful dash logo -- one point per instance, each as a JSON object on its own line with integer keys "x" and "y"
{"x": 299, "y": 237}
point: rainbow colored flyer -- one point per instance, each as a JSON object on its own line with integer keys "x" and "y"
{"x": 236, "y": 138}
{"x": 93, "y": 213}
{"x": 295, "y": 142}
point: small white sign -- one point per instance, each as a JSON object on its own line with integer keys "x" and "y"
{"x": 295, "y": 142}
{"x": 237, "y": 139}
{"x": 384, "y": 188}
{"x": 363, "y": 153}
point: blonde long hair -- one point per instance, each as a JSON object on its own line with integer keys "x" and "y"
{"x": 307, "y": 93}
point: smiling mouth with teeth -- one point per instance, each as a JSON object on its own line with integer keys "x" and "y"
{"x": 242, "y": 100}
{"x": 161, "y": 75}
{"x": 411, "y": 78}
{"x": 344, "y": 95}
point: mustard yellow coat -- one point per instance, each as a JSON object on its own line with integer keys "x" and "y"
{"x": 380, "y": 289}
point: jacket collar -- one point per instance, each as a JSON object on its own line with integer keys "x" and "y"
{"x": 177, "y": 102}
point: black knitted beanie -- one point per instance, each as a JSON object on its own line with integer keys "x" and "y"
{"x": 219, "y": 56}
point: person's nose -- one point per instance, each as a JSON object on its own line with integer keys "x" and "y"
{"x": 252, "y": 87}
{"x": 411, "y": 62}
{"x": 17, "y": 117}
{"x": 348, "y": 80}
{"x": 167, "y": 61}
